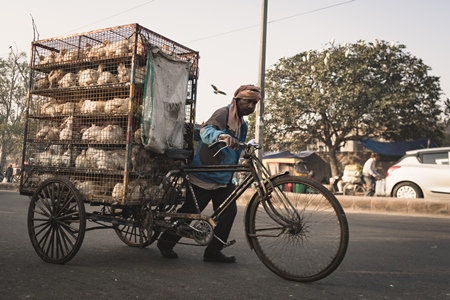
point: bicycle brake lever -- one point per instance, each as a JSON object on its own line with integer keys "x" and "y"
{"x": 220, "y": 150}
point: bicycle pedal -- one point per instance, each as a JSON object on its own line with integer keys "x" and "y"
{"x": 229, "y": 243}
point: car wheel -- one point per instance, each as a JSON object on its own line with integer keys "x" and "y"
{"x": 407, "y": 190}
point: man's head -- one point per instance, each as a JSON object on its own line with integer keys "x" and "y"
{"x": 247, "y": 96}
{"x": 374, "y": 155}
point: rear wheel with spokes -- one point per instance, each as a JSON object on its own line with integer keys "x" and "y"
{"x": 133, "y": 229}
{"x": 300, "y": 232}
{"x": 56, "y": 220}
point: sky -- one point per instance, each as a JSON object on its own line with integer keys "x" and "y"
{"x": 227, "y": 33}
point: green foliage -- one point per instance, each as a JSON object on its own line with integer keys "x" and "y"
{"x": 349, "y": 92}
{"x": 14, "y": 80}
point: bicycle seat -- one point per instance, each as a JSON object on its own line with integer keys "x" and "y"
{"x": 178, "y": 154}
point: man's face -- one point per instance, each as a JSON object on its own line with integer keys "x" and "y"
{"x": 246, "y": 106}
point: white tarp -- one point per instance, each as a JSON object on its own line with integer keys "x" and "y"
{"x": 163, "y": 108}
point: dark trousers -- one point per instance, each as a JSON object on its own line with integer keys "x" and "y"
{"x": 370, "y": 181}
{"x": 224, "y": 224}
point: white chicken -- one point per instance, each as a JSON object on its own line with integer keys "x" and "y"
{"x": 124, "y": 73}
{"x": 111, "y": 133}
{"x": 117, "y": 106}
{"x": 70, "y": 155}
{"x": 97, "y": 51}
{"x": 57, "y": 159}
{"x": 103, "y": 160}
{"x": 119, "y": 48}
{"x": 49, "y": 133}
{"x": 60, "y": 56}
{"x": 55, "y": 76}
{"x": 68, "y": 80}
{"x": 89, "y": 77}
{"x": 138, "y": 137}
{"x": 118, "y": 191}
{"x": 92, "y": 107}
{"x": 106, "y": 77}
{"x": 65, "y": 134}
{"x": 73, "y": 55}
{"x": 41, "y": 84}
{"x": 89, "y": 188}
{"x": 81, "y": 162}
{"x": 51, "y": 108}
{"x": 44, "y": 159}
{"x": 66, "y": 129}
{"x": 92, "y": 134}
{"x": 118, "y": 159}
{"x": 50, "y": 59}
{"x": 69, "y": 108}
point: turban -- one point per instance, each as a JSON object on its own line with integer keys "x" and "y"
{"x": 248, "y": 91}
{"x": 244, "y": 91}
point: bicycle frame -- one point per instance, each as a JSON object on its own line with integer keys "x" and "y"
{"x": 249, "y": 167}
{"x": 257, "y": 174}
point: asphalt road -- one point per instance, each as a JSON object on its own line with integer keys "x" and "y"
{"x": 389, "y": 257}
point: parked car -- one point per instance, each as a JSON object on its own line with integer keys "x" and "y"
{"x": 422, "y": 173}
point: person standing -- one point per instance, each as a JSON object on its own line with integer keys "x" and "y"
{"x": 9, "y": 173}
{"x": 226, "y": 124}
{"x": 370, "y": 174}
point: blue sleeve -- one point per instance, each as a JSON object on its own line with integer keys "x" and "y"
{"x": 209, "y": 134}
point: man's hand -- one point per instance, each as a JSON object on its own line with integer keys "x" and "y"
{"x": 230, "y": 141}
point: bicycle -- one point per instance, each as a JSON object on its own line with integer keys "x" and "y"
{"x": 295, "y": 225}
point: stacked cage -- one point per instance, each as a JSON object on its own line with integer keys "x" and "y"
{"x": 84, "y": 113}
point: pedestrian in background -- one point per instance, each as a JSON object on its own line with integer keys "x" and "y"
{"x": 370, "y": 174}
{"x": 9, "y": 173}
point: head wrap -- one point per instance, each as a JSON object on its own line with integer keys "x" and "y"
{"x": 244, "y": 91}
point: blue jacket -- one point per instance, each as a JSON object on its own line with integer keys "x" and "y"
{"x": 215, "y": 126}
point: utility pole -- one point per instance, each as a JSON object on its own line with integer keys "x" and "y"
{"x": 259, "y": 125}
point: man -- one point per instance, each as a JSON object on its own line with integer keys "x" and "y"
{"x": 370, "y": 174}
{"x": 9, "y": 173}
{"x": 227, "y": 124}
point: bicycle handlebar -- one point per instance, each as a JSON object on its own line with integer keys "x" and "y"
{"x": 247, "y": 147}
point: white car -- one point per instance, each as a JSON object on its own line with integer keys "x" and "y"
{"x": 423, "y": 173}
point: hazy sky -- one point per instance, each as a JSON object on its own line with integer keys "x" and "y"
{"x": 227, "y": 32}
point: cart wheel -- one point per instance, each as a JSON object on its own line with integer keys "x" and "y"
{"x": 56, "y": 220}
{"x": 132, "y": 234}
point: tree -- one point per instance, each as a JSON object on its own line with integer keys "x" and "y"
{"x": 348, "y": 92}
{"x": 14, "y": 81}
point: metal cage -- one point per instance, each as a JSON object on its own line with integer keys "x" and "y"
{"x": 84, "y": 113}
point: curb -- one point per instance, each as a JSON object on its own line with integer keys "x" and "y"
{"x": 435, "y": 207}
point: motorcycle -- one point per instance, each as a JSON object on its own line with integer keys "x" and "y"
{"x": 357, "y": 188}
{"x": 354, "y": 184}
{"x": 336, "y": 184}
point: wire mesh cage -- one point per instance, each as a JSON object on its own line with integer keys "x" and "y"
{"x": 84, "y": 113}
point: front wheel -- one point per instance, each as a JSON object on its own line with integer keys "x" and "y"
{"x": 300, "y": 231}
